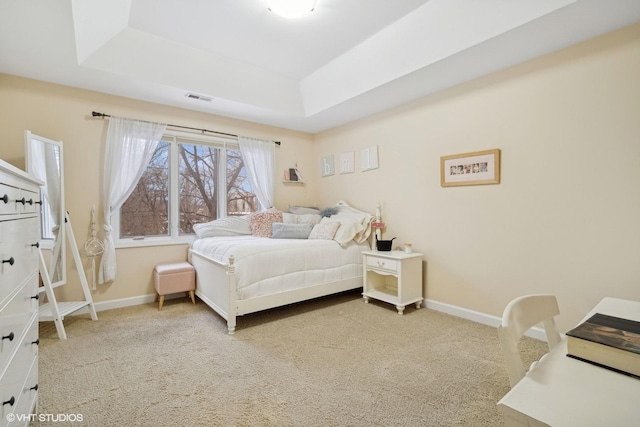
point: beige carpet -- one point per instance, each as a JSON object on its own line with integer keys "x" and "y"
{"x": 330, "y": 362}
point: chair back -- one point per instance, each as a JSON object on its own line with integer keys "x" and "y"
{"x": 518, "y": 317}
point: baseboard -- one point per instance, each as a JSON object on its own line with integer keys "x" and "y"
{"x": 126, "y": 302}
{"x": 478, "y": 317}
{"x": 474, "y": 316}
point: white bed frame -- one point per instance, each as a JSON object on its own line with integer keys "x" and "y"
{"x": 216, "y": 286}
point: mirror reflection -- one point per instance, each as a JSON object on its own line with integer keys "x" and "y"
{"x": 44, "y": 161}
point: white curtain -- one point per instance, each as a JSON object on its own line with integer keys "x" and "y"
{"x": 259, "y": 160}
{"x": 130, "y": 145}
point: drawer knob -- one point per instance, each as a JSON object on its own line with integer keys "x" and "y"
{"x": 23, "y": 201}
{"x": 36, "y": 342}
{"x": 11, "y": 261}
{"x": 39, "y": 202}
{"x": 30, "y": 201}
{"x": 10, "y": 401}
{"x": 9, "y": 337}
{"x": 36, "y": 297}
{"x": 5, "y": 199}
{"x": 35, "y": 387}
{"x": 380, "y": 263}
{"x": 37, "y": 244}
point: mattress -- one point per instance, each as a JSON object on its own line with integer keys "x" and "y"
{"x": 265, "y": 266}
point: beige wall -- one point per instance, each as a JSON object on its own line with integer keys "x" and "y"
{"x": 64, "y": 113}
{"x": 566, "y": 217}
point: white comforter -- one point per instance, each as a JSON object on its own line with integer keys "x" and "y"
{"x": 265, "y": 266}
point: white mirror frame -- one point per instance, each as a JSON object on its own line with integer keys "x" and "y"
{"x": 54, "y": 246}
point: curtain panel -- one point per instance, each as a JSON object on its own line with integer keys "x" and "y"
{"x": 259, "y": 160}
{"x": 129, "y": 148}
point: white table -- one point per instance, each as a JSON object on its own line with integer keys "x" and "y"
{"x": 561, "y": 391}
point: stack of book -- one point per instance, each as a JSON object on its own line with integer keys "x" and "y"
{"x": 607, "y": 341}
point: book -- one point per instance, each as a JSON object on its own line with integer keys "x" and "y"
{"x": 607, "y": 341}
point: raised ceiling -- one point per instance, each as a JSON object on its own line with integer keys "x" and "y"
{"x": 344, "y": 61}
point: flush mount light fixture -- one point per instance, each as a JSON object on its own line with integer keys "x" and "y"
{"x": 291, "y": 8}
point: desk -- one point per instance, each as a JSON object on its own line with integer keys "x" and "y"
{"x": 561, "y": 391}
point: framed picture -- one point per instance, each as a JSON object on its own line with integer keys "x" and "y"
{"x": 347, "y": 162}
{"x": 327, "y": 166}
{"x": 477, "y": 168}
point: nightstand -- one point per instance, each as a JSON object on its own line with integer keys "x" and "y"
{"x": 394, "y": 277}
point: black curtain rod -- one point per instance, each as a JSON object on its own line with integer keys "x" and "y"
{"x": 96, "y": 114}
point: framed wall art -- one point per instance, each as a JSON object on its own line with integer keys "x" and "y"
{"x": 347, "y": 162}
{"x": 327, "y": 166}
{"x": 477, "y": 168}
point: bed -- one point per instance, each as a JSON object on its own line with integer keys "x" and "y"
{"x": 273, "y": 258}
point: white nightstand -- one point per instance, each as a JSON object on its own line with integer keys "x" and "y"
{"x": 394, "y": 277}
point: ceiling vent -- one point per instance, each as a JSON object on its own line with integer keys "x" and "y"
{"x": 198, "y": 97}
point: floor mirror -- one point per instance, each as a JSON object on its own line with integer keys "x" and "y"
{"x": 45, "y": 160}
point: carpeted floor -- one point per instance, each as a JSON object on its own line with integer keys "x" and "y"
{"x": 330, "y": 362}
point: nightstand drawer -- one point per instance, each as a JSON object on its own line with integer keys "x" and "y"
{"x": 382, "y": 264}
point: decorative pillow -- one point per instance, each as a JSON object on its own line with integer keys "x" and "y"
{"x": 260, "y": 222}
{"x": 348, "y": 228}
{"x": 228, "y": 226}
{"x": 289, "y": 218}
{"x": 280, "y": 230}
{"x": 301, "y": 210}
{"x": 327, "y": 212}
{"x": 324, "y": 231}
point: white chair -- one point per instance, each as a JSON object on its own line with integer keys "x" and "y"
{"x": 519, "y": 316}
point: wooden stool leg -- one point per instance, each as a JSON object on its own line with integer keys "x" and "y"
{"x": 193, "y": 299}
{"x": 161, "y": 302}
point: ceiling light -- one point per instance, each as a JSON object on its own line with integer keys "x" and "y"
{"x": 291, "y": 8}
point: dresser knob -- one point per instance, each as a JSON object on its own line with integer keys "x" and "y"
{"x": 39, "y": 202}
{"x": 36, "y": 297}
{"x": 36, "y": 342}
{"x": 10, "y": 401}
{"x": 23, "y": 201}
{"x": 5, "y": 199}
{"x": 37, "y": 244}
{"x": 11, "y": 261}
{"x": 30, "y": 201}
{"x": 9, "y": 337}
{"x": 35, "y": 387}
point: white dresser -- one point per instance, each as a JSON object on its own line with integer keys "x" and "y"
{"x": 19, "y": 236}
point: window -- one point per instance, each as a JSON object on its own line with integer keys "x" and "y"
{"x": 190, "y": 179}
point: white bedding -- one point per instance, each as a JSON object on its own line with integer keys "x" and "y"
{"x": 266, "y": 266}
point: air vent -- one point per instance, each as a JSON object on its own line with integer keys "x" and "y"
{"x": 198, "y": 97}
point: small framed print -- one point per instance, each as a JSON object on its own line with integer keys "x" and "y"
{"x": 369, "y": 158}
{"x": 477, "y": 168}
{"x": 347, "y": 161}
{"x": 327, "y": 166}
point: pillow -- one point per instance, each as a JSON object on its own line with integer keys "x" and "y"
{"x": 324, "y": 231}
{"x": 301, "y": 210}
{"x": 228, "y": 226}
{"x": 327, "y": 212}
{"x": 260, "y": 222}
{"x": 289, "y": 218}
{"x": 348, "y": 228}
{"x": 280, "y": 230}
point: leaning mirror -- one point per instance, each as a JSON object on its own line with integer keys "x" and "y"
{"x": 44, "y": 160}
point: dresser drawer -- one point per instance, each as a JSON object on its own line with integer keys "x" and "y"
{"x": 382, "y": 264}
{"x": 8, "y": 197}
{"x": 28, "y": 202}
{"x": 19, "y": 389}
{"x": 16, "y": 250}
{"x": 15, "y": 318}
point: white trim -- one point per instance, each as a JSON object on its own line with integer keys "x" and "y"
{"x": 474, "y": 316}
{"x": 478, "y": 317}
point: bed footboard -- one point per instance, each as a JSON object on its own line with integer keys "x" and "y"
{"x": 216, "y": 286}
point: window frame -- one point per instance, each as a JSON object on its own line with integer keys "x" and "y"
{"x": 175, "y": 138}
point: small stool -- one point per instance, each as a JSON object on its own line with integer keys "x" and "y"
{"x": 174, "y": 278}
